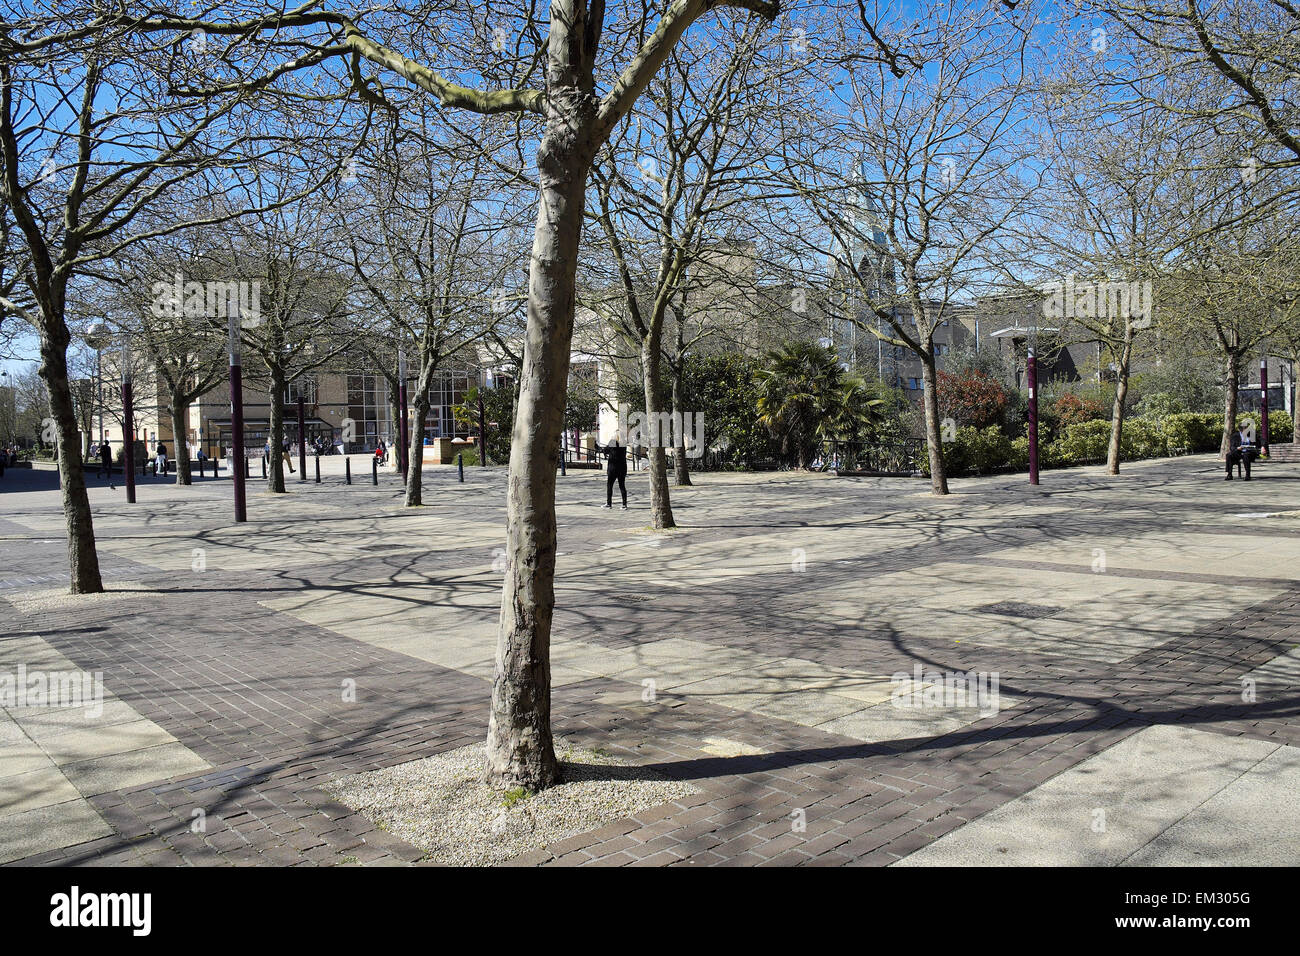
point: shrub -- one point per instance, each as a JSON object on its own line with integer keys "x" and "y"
{"x": 1140, "y": 438}
{"x": 975, "y": 451}
{"x": 970, "y": 398}
{"x": 1279, "y": 425}
{"x": 1020, "y": 452}
{"x": 1083, "y": 442}
{"x": 1194, "y": 431}
{"x": 1071, "y": 409}
{"x": 1160, "y": 405}
{"x": 988, "y": 449}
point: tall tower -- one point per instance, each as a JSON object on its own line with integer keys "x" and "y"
{"x": 874, "y": 284}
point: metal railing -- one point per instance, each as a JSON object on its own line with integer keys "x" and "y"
{"x": 871, "y": 458}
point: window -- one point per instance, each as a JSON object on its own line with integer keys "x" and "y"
{"x": 913, "y": 383}
{"x": 306, "y": 387}
{"x": 941, "y": 349}
{"x": 367, "y": 408}
{"x": 448, "y": 389}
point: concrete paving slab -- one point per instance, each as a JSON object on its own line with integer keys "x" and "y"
{"x": 50, "y": 827}
{"x": 1109, "y": 808}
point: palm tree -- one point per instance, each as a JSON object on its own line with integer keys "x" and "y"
{"x": 805, "y": 396}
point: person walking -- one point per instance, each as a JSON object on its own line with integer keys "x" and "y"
{"x": 105, "y": 460}
{"x": 160, "y": 460}
{"x": 288, "y": 458}
{"x": 615, "y": 470}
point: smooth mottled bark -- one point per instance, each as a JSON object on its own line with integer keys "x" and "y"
{"x": 179, "y": 434}
{"x": 415, "y": 467}
{"x": 275, "y": 467}
{"x": 520, "y": 749}
{"x": 83, "y": 561}
{"x": 933, "y": 437}
{"x": 661, "y": 509}
{"x": 1117, "y": 410}
{"x": 1231, "y": 376}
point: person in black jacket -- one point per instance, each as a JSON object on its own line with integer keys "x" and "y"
{"x": 1241, "y": 450}
{"x": 615, "y": 470}
{"x": 105, "y": 460}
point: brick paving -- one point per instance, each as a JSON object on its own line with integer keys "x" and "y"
{"x": 258, "y": 693}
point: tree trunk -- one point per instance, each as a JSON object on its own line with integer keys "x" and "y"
{"x": 179, "y": 434}
{"x": 1231, "y": 376}
{"x": 682, "y": 474}
{"x": 415, "y": 469}
{"x": 275, "y": 467}
{"x": 520, "y": 749}
{"x": 933, "y": 442}
{"x": 1117, "y": 411}
{"x": 661, "y": 507}
{"x": 84, "y": 562}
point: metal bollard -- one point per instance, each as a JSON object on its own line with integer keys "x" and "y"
{"x": 460, "y": 466}
{"x": 562, "y": 469}
{"x": 347, "y": 469}
{"x": 263, "y": 466}
{"x": 318, "y": 469}
{"x": 247, "y": 468}
{"x": 374, "y": 470}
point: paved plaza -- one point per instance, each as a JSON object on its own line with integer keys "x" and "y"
{"x": 796, "y": 651}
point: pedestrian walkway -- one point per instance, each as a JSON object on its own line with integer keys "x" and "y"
{"x": 848, "y": 671}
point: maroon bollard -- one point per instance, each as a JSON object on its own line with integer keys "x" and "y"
{"x": 239, "y": 461}
{"x": 302, "y": 441}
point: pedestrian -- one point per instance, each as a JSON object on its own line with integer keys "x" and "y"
{"x": 105, "y": 460}
{"x": 615, "y": 470}
{"x": 1241, "y": 449}
{"x": 288, "y": 458}
{"x": 160, "y": 460}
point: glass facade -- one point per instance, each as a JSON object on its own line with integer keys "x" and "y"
{"x": 449, "y": 388}
{"x": 368, "y": 408}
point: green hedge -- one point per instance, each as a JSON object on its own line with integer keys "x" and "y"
{"x": 1193, "y": 431}
{"x": 981, "y": 451}
{"x": 1083, "y": 442}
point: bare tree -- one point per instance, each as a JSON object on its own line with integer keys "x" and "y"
{"x": 1114, "y": 212}
{"x": 916, "y": 167}
{"x": 576, "y": 119}
{"x": 678, "y": 174}
{"x": 1246, "y": 52}
{"x": 430, "y": 260}
{"x": 93, "y": 136}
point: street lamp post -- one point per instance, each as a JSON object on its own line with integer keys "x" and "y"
{"x": 482, "y": 431}
{"x": 302, "y": 438}
{"x": 128, "y": 424}
{"x": 99, "y": 338}
{"x": 1031, "y": 377}
{"x": 237, "y": 420}
{"x": 6, "y": 390}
